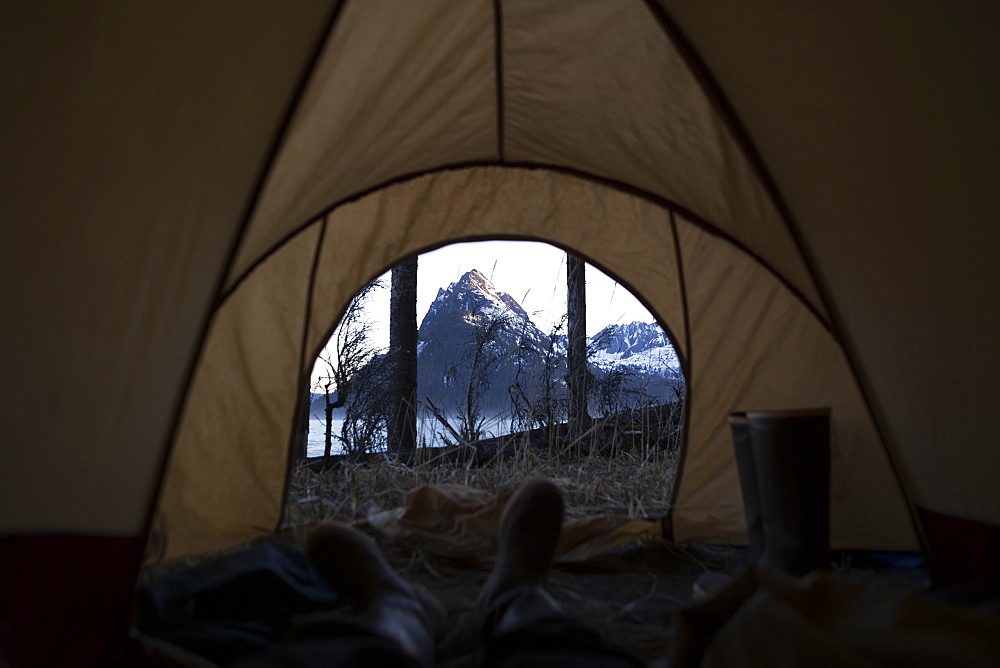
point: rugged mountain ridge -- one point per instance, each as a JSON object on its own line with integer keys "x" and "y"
{"x": 641, "y": 346}
{"x": 474, "y": 334}
{"x": 472, "y": 323}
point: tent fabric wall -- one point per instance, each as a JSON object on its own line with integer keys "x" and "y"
{"x": 599, "y": 87}
{"x": 876, "y": 122}
{"x": 125, "y": 180}
{"x": 552, "y": 113}
{"x": 226, "y": 477}
{"x": 125, "y": 184}
{"x": 400, "y": 88}
{"x": 159, "y": 155}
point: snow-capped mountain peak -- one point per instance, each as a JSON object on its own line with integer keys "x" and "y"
{"x": 475, "y": 296}
{"x": 637, "y": 344}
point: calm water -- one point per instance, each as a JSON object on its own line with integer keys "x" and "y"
{"x": 317, "y": 437}
{"x": 428, "y": 431}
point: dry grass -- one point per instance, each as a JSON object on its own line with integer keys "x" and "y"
{"x": 633, "y": 483}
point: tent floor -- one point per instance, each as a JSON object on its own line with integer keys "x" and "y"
{"x": 630, "y": 596}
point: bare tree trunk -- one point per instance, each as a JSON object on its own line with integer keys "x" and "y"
{"x": 576, "y": 353}
{"x": 329, "y": 406}
{"x": 328, "y": 445}
{"x": 402, "y": 435}
{"x": 302, "y": 437}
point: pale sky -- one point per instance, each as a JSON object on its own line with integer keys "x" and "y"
{"x": 533, "y": 273}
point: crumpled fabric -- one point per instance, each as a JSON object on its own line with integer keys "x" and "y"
{"x": 463, "y": 522}
{"x": 763, "y": 618}
{"x": 234, "y": 605}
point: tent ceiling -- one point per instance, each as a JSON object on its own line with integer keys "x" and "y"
{"x": 590, "y": 86}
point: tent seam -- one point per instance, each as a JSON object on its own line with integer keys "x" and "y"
{"x": 304, "y": 373}
{"x": 499, "y": 78}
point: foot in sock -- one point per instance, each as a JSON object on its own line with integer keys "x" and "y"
{"x": 351, "y": 563}
{"x": 529, "y": 535}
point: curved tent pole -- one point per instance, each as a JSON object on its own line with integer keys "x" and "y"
{"x": 720, "y": 104}
{"x": 621, "y": 186}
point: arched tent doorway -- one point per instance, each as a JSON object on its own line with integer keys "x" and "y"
{"x": 747, "y": 338}
{"x": 623, "y": 463}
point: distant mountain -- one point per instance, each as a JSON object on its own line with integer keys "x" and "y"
{"x": 633, "y": 364}
{"x": 640, "y": 346}
{"x": 637, "y": 358}
{"x": 473, "y": 333}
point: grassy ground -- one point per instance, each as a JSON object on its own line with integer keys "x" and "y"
{"x": 634, "y": 482}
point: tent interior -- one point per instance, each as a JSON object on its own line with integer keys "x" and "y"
{"x": 801, "y": 192}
